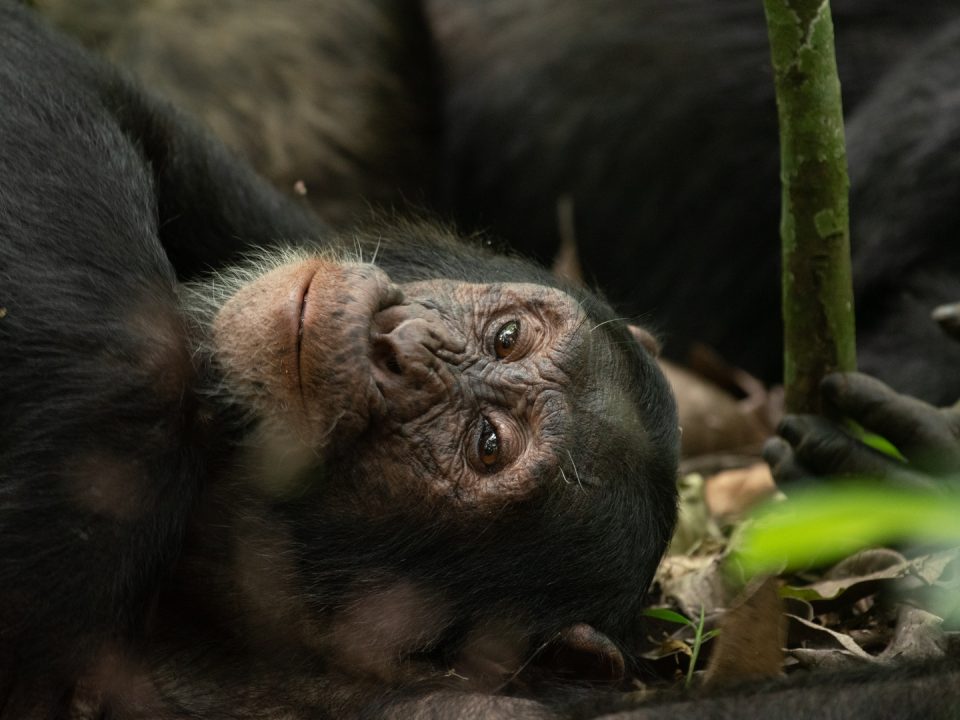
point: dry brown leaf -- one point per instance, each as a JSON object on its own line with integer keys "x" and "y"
{"x": 731, "y": 493}
{"x": 703, "y": 585}
{"x": 711, "y": 418}
{"x": 752, "y": 635}
{"x": 809, "y": 635}
{"x": 843, "y": 583}
{"x": 918, "y": 636}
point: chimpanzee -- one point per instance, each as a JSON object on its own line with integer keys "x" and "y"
{"x": 249, "y": 469}
{"x": 811, "y": 446}
{"x": 914, "y": 692}
{"x": 181, "y": 536}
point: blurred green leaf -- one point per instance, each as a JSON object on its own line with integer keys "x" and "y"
{"x": 819, "y": 526}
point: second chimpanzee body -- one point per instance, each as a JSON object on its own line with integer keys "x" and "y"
{"x": 309, "y": 481}
{"x": 334, "y": 101}
{"x": 656, "y": 121}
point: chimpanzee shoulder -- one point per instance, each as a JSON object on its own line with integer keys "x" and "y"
{"x": 95, "y": 365}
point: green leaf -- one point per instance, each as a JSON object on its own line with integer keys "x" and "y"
{"x": 820, "y": 526}
{"x": 881, "y": 444}
{"x": 870, "y": 439}
{"x": 668, "y": 615}
{"x": 800, "y": 593}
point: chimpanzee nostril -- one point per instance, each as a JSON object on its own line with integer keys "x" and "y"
{"x": 385, "y": 355}
{"x": 408, "y": 373}
{"x": 407, "y": 364}
{"x": 393, "y": 365}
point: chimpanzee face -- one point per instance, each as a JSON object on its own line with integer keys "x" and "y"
{"x": 467, "y": 459}
{"x": 474, "y": 377}
{"x": 463, "y": 388}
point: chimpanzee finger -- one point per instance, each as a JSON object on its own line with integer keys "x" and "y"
{"x": 924, "y": 434}
{"x": 784, "y": 467}
{"x": 948, "y": 317}
{"x": 827, "y": 450}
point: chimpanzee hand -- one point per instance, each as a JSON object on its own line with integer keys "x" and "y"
{"x": 812, "y": 446}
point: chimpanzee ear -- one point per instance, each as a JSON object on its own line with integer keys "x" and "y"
{"x": 648, "y": 341}
{"x": 582, "y": 653}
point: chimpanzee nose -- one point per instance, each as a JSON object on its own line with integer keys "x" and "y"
{"x": 406, "y": 365}
{"x": 407, "y": 370}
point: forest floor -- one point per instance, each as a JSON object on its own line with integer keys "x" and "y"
{"x": 878, "y": 606}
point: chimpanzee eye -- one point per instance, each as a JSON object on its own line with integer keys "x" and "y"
{"x": 488, "y": 444}
{"x": 506, "y": 339}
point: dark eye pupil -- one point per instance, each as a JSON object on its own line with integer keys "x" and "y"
{"x": 489, "y": 445}
{"x": 507, "y": 337}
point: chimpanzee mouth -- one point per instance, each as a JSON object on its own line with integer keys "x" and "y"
{"x": 301, "y": 315}
{"x": 321, "y": 331}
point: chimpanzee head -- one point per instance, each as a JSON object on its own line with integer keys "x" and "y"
{"x": 468, "y": 458}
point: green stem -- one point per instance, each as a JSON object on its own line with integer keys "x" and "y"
{"x": 817, "y": 291}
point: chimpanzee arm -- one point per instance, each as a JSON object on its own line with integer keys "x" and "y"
{"x": 913, "y": 691}
{"x": 449, "y": 705}
{"x": 928, "y": 437}
{"x": 100, "y": 439}
{"x": 212, "y": 206}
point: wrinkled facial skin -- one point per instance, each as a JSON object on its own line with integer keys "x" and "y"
{"x": 459, "y": 386}
{"x": 474, "y": 377}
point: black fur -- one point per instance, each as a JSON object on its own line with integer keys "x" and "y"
{"x": 657, "y": 118}
{"x": 121, "y": 486}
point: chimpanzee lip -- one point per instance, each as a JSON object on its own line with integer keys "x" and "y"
{"x": 306, "y": 281}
